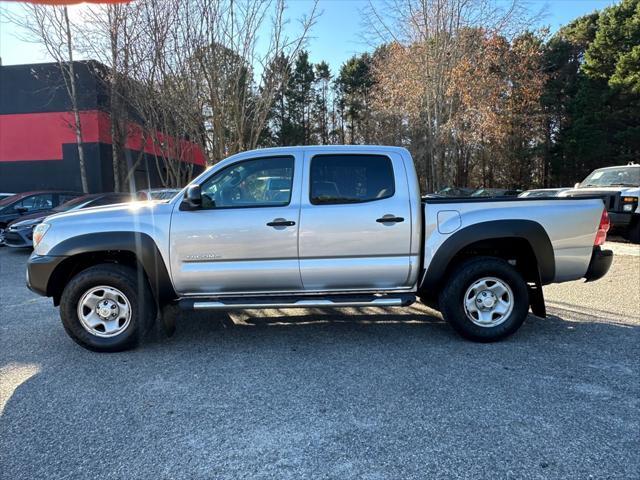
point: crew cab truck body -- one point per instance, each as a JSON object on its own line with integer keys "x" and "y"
{"x": 347, "y": 227}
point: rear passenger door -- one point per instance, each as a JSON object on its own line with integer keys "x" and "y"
{"x": 355, "y": 222}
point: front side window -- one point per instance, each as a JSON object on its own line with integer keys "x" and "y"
{"x": 35, "y": 202}
{"x": 337, "y": 179}
{"x": 263, "y": 182}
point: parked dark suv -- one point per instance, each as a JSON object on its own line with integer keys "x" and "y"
{"x": 30, "y": 202}
{"x": 19, "y": 233}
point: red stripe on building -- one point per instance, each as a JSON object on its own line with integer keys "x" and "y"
{"x": 40, "y": 136}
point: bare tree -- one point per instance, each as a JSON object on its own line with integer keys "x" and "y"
{"x": 224, "y": 58}
{"x": 192, "y": 65}
{"x": 425, "y": 37}
{"x": 109, "y": 34}
{"x": 50, "y": 26}
{"x": 187, "y": 73}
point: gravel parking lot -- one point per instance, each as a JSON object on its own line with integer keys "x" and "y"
{"x": 365, "y": 393}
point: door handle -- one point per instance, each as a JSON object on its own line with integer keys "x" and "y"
{"x": 281, "y": 222}
{"x": 390, "y": 219}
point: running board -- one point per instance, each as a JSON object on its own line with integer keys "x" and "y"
{"x": 337, "y": 301}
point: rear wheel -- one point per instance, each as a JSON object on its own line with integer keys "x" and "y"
{"x": 107, "y": 308}
{"x": 485, "y": 299}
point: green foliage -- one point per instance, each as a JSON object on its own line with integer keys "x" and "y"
{"x": 587, "y": 116}
{"x": 627, "y": 73}
{"x": 353, "y": 87}
{"x": 592, "y": 97}
{"x": 617, "y": 36}
{"x": 299, "y": 97}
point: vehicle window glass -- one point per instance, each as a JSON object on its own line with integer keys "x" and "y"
{"x": 65, "y": 197}
{"x": 261, "y": 182}
{"x": 166, "y": 195}
{"x": 35, "y": 202}
{"x": 5, "y": 200}
{"x": 71, "y": 204}
{"x": 108, "y": 200}
{"x": 339, "y": 179}
{"x": 43, "y": 202}
{"x": 622, "y": 176}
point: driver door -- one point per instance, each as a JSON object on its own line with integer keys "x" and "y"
{"x": 244, "y": 239}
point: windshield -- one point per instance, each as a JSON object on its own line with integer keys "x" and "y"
{"x": 608, "y": 177}
{"x": 77, "y": 202}
{"x": 7, "y": 200}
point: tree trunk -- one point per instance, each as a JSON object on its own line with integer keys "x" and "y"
{"x": 115, "y": 146}
{"x": 74, "y": 106}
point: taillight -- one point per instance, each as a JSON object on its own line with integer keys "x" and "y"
{"x": 603, "y": 228}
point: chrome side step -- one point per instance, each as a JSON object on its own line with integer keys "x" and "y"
{"x": 292, "y": 302}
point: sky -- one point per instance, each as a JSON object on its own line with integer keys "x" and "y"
{"x": 337, "y": 35}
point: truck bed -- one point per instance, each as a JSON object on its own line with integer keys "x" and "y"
{"x": 570, "y": 225}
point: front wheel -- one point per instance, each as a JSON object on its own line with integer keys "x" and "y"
{"x": 633, "y": 233}
{"x": 485, "y": 299}
{"x": 107, "y": 308}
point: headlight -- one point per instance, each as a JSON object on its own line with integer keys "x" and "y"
{"x": 629, "y": 204}
{"x": 39, "y": 232}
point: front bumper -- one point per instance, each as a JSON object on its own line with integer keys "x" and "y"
{"x": 619, "y": 219}
{"x": 18, "y": 238}
{"x": 39, "y": 271}
{"x": 599, "y": 265}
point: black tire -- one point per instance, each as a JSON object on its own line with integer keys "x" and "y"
{"x": 633, "y": 233}
{"x": 137, "y": 293}
{"x": 452, "y": 298}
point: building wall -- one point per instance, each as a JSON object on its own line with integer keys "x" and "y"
{"x": 37, "y": 138}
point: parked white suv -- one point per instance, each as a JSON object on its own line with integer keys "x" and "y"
{"x": 619, "y": 188}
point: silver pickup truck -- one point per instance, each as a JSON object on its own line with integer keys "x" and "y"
{"x": 317, "y": 226}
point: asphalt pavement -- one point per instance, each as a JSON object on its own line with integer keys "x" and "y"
{"x": 364, "y": 393}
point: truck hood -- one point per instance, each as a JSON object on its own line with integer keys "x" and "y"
{"x": 148, "y": 217}
{"x": 131, "y": 210}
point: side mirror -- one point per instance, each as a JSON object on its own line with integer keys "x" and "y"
{"x": 577, "y": 185}
{"x": 193, "y": 197}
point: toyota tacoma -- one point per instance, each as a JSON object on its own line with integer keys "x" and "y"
{"x": 316, "y": 226}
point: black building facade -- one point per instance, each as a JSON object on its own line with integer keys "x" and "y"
{"x": 37, "y": 140}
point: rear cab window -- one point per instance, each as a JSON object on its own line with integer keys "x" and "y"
{"x": 350, "y": 178}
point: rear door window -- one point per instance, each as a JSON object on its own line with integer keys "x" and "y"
{"x": 337, "y": 179}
